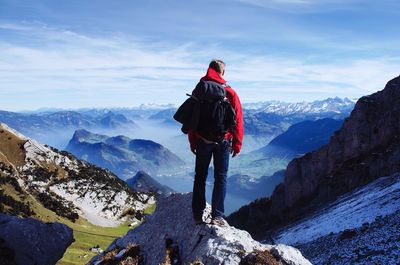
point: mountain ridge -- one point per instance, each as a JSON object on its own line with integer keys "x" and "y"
{"x": 143, "y": 182}
{"x": 59, "y": 182}
{"x": 366, "y": 147}
{"x": 338, "y": 105}
{"x": 121, "y": 154}
{"x": 302, "y": 137}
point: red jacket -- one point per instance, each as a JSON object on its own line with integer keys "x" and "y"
{"x": 233, "y": 98}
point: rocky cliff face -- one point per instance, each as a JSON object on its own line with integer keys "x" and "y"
{"x": 33, "y": 175}
{"x": 169, "y": 236}
{"x": 29, "y": 241}
{"x": 365, "y": 148}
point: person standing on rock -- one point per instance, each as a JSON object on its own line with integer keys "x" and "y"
{"x": 219, "y": 133}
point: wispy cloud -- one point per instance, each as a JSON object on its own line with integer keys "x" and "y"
{"x": 293, "y": 80}
{"x": 62, "y": 68}
{"x": 318, "y": 6}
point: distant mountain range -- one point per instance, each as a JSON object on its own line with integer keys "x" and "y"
{"x": 63, "y": 120}
{"x": 56, "y": 128}
{"x": 165, "y": 116}
{"x": 36, "y": 180}
{"x": 141, "y": 112}
{"x": 275, "y": 117}
{"x": 262, "y": 121}
{"x": 122, "y": 155}
{"x": 329, "y": 105}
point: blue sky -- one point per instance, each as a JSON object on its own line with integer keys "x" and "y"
{"x": 72, "y": 54}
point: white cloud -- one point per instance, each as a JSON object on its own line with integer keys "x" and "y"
{"x": 75, "y": 70}
{"x": 293, "y": 80}
{"x": 320, "y": 6}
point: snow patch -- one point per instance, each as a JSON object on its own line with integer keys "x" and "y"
{"x": 364, "y": 205}
{"x": 288, "y": 254}
{"x": 336, "y": 105}
{"x": 96, "y": 206}
{"x": 40, "y": 153}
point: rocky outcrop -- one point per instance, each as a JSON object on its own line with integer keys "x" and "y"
{"x": 365, "y": 148}
{"x": 29, "y": 241}
{"x": 170, "y": 234}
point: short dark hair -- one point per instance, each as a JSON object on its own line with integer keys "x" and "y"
{"x": 217, "y": 65}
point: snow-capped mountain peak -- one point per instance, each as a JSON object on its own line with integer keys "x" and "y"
{"x": 337, "y": 105}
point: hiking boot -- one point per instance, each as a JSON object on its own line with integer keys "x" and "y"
{"x": 219, "y": 221}
{"x": 198, "y": 220}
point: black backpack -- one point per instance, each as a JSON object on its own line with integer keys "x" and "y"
{"x": 216, "y": 115}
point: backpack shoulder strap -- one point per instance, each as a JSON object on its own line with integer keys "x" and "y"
{"x": 192, "y": 96}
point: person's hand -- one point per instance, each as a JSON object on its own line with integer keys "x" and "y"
{"x": 193, "y": 149}
{"x": 234, "y": 153}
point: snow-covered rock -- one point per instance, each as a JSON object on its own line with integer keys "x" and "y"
{"x": 364, "y": 205}
{"x": 172, "y": 222}
{"x": 374, "y": 243}
{"x": 359, "y": 227}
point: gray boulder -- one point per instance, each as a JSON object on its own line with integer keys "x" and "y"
{"x": 29, "y": 241}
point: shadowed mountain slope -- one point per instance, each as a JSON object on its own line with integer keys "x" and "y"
{"x": 301, "y": 138}
{"x": 366, "y": 147}
{"x": 122, "y": 155}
